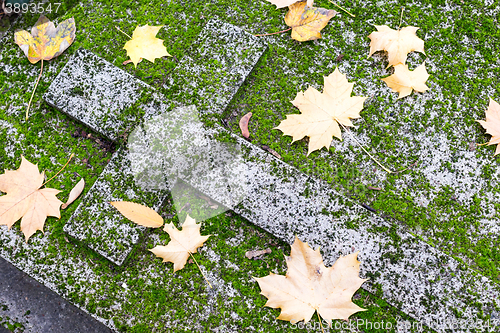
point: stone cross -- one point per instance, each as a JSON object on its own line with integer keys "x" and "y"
{"x": 428, "y": 285}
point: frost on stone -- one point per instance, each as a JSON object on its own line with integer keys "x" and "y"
{"x": 97, "y": 93}
{"x": 218, "y": 62}
{"x": 177, "y": 145}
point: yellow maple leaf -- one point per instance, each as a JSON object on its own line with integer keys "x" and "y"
{"x": 323, "y": 112}
{"x": 144, "y": 44}
{"x": 286, "y": 3}
{"x": 182, "y": 243}
{"x": 405, "y": 81}
{"x": 309, "y": 286}
{"x": 25, "y": 199}
{"x": 306, "y": 22}
{"x": 492, "y": 124}
{"x": 45, "y": 41}
{"x": 397, "y": 43}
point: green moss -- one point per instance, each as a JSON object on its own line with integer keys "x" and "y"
{"x": 286, "y": 68}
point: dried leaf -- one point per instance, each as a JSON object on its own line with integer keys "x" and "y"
{"x": 75, "y": 193}
{"x": 182, "y": 243}
{"x": 25, "y": 199}
{"x": 145, "y": 45}
{"x": 286, "y": 3}
{"x": 139, "y": 214}
{"x": 244, "y": 125}
{"x": 492, "y": 124}
{"x": 309, "y": 286}
{"x": 45, "y": 41}
{"x": 257, "y": 253}
{"x": 405, "y": 81}
{"x": 398, "y": 43}
{"x": 307, "y": 22}
{"x": 323, "y": 112}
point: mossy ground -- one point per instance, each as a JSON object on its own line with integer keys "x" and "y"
{"x": 448, "y": 196}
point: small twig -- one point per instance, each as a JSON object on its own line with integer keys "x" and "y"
{"x": 59, "y": 170}
{"x": 401, "y": 19}
{"x": 320, "y": 324}
{"x": 274, "y": 33}
{"x": 34, "y": 89}
{"x": 345, "y": 10}
{"x": 122, "y": 32}
{"x": 373, "y": 158}
{"x": 200, "y": 269}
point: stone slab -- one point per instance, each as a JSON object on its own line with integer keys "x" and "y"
{"x": 216, "y": 65}
{"x": 98, "y": 224}
{"x": 88, "y": 88}
{"x": 38, "y": 308}
{"x": 97, "y": 93}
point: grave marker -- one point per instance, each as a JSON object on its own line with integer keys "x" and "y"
{"x": 412, "y": 275}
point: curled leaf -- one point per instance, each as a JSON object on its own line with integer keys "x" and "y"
{"x": 75, "y": 193}
{"x": 139, "y": 214}
{"x": 244, "y": 125}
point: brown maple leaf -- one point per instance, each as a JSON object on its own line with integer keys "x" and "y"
{"x": 286, "y": 3}
{"x": 307, "y": 22}
{"x": 405, "y": 81}
{"x": 182, "y": 243}
{"x": 323, "y": 112}
{"x": 397, "y": 43}
{"x": 25, "y": 199}
{"x": 492, "y": 124}
{"x": 309, "y": 286}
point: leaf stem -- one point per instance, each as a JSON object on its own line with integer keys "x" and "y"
{"x": 122, "y": 32}
{"x": 274, "y": 33}
{"x": 401, "y": 18}
{"x": 200, "y": 269}
{"x": 34, "y": 89}
{"x": 482, "y": 144}
{"x": 345, "y": 10}
{"x": 320, "y": 324}
{"x": 64, "y": 166}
